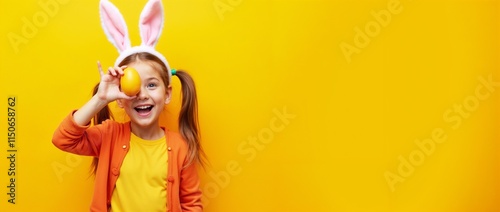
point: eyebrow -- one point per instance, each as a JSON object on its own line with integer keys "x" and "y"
{"x": 152, "y": 78}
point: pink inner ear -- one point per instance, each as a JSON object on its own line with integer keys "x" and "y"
{"x": 151, "y": 22}
{"x": 114, "y": 26}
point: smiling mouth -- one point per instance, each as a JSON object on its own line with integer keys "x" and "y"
{"x": 143, "y": 110}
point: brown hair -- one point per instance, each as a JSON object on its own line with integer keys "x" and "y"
{"x": 188, "y": 117}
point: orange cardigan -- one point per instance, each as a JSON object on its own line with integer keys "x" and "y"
{"x": 110, "y": 141}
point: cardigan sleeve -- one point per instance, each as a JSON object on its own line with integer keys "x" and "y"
{"x": 189, "y": 191}
{"x": 73, "y": 138}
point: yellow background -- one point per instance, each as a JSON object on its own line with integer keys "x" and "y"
{"x": 353, "y": 121}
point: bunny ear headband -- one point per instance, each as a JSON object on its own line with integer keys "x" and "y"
{"x": 150, "y": 26}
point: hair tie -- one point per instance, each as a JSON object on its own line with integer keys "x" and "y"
{"x": 174, "y": 72}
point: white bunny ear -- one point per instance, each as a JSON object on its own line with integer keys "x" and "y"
{"x": 114, "y": 25}
{"x": 151, "y": 22}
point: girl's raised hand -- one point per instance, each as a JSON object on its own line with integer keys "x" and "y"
{"x": 109, "y": 87}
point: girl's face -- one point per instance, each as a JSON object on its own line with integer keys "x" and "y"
{"x": 145, "y": 110}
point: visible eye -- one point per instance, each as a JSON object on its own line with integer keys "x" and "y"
{"x": 152, "y": 85}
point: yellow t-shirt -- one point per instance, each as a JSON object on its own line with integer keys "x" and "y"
{"x": 141, "y": 185}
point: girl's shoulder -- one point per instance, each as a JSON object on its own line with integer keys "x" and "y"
{"x": 112, "y": 126}
{"x": 113, "y": 123}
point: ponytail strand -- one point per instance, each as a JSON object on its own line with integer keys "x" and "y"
{"x": 188, "y": 119}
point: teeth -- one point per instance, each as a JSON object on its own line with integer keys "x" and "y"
{"x": 143, "y": 107}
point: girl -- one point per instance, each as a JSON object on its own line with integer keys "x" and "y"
{"x": 141, "y": 166}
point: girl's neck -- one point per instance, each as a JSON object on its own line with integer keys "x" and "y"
{"x": 147, "y": 133}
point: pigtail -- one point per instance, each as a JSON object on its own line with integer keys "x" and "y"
{"x": 188, "y": 119}
{"x": 100, "y": 117}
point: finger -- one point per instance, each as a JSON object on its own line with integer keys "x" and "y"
{"x": 131, "y": 97}
{"x": 112, "y": 71}
{"x": 119, "y": 71}
{"x": 99, "y": 68}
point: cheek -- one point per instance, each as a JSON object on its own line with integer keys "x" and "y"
{"x": 160, "y": 99}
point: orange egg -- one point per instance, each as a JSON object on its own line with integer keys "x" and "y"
{"x": 130, "y": 82}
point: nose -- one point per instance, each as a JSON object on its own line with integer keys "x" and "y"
{"x": 143, "y": 93}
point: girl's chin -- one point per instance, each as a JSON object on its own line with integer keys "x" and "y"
{"x": 144, "y": 121}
